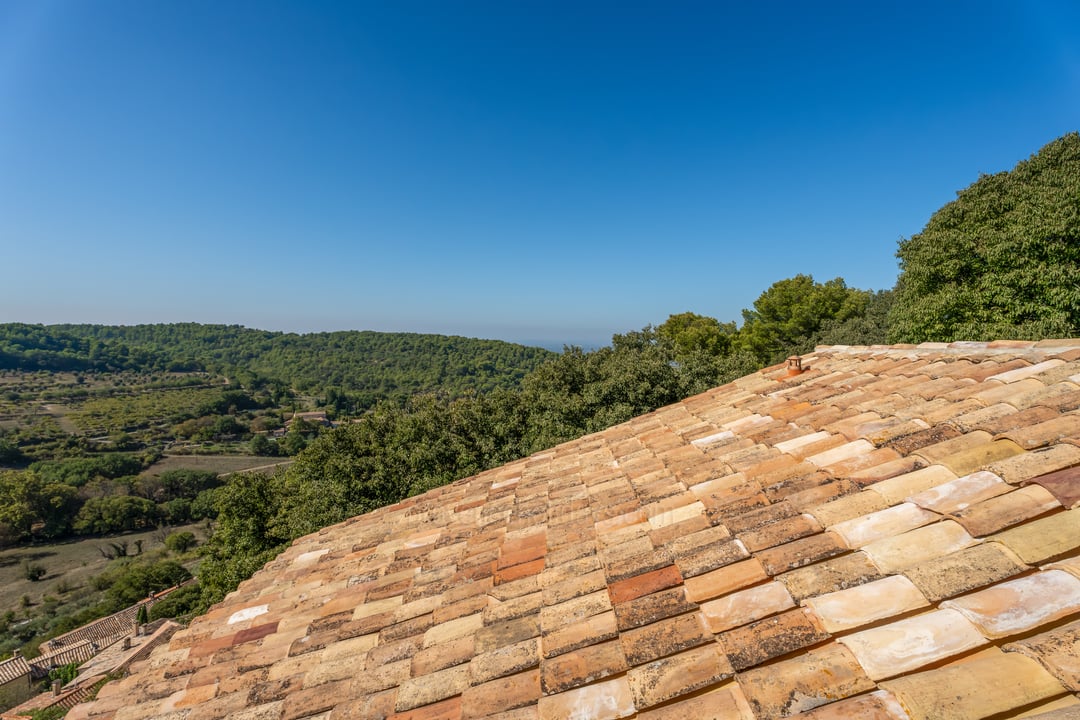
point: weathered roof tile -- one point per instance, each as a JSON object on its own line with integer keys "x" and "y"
{"x": 981, "y": 688}
{"x": 693, "y": 563}
{"x": 964, "y": 570}
{"x": 865, "y": 604}
{"x": 676, "y": 675}
{"x": 897, "y": 553}
{"x": 1058, "y": 650}
{"x": 1017, "y": 606}
{"x": 817, "y": 677}
{"x": 907, "y": 645}
{"x": 1045, "y": 539}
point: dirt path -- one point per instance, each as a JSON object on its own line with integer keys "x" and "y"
{"x": 279, "y": 463}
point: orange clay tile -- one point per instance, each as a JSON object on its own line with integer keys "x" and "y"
{"x": 982, "y": 688}
{"x": 1058, "y": 650}
{"x": 917, "y": 501}
{"x": 830, "y": 575}
{"x": 817, "y": 677}
{"x": 581, "y": 667}
{"x": 968, "y": 569}
{"x": 746, "y": 606}
{"x": 849, "y": 507}
{"x": 1032, "y": 464}
{"x": 959, "y": 494}
{"x": 1064, "y": 485}
{"x": 605, "y": 700}
{"x": 1007, "y": 510}
{"x": 910, "y": 644}
{"x": 877, "y": 705}
{"x": 895, "y": 520}
{"x": 897, "y": 553}
{"x": 1017, "y": 606}
{"x": 865, "y": 604}
{"x": 896, "y": 489}
{"x": 676, "y": 675}
{"x": 1044, "y": 539}
{"x": 772, "y": 637}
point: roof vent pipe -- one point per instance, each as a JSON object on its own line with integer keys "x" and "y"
{"x": 794, "y": 366}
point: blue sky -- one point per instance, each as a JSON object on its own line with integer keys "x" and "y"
{"x": 533, "y": 171}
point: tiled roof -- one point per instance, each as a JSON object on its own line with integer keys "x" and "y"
{"x": 77, "y": 653}
{"x": 14, "y": 668}
{"x": 893, "y": 533}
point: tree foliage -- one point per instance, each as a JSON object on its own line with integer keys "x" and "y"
{"x": 786, "y": 317}
{"x": 353, "y": 370}
{"x": 1000, "y": 261}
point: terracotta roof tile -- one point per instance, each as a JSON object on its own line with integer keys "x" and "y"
{"x": 910, "y": 644}
{"x": 1037, "y": 462}
{"x": 810, "y": 680}
{"x": 897, "y": 553}
{"x": 1064, "y": 485}
{"x": 998, "y": 513}
{"x": 772, "y": 637}
{"x": 1045, "y": 539}
{"x": 865, "y": 604}
{"x": 723, "y": 702}
{"x": 830, "y": 575}
{"x": 677, "y": 675}
{"x": 581, "y": 667}
{"x": 984, "y": 687}
{"x": 694, "y": 562}
{"x": 897, "y": 489}
{"x": 1057, "y": 650}
{"x": 864, "y": 529}
{"x": 877, "y": 705}
{"x": 1017, "y": 606}
{"x": 967, "y": 569}
{"x": 605, "y": 700}
{"x": 745, "y": 606}
{"x": 959, "y": 494}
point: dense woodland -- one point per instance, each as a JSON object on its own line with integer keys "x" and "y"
{"x": 1002, "y": 260}
{"x": 357, "y": 368}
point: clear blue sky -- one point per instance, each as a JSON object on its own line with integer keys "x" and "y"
{"x": 533, "y": 171}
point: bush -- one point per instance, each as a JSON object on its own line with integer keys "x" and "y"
{"x": 33, "y": 571}
{"x": 180, "y": 542}
{"x": 182, "y": 601}
{"x": 137, "y": 580}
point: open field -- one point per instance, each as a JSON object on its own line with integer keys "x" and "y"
{"x": 221, "y": 464}
{"x": 71, "y": 563}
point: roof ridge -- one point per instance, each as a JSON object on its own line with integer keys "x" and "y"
{"x": 958, "y": 348}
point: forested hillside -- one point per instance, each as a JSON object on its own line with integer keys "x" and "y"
{"x": 365, "y": 366}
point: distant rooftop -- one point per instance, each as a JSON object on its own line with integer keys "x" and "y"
{"x": 892, "y": 532}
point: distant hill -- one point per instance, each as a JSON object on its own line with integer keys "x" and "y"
{"x": 367, "y": 365}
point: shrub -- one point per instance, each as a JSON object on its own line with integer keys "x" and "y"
{"x": 181, "y": 601}
{"x": 180, "y": 542}
{"x": 33, "y": 571}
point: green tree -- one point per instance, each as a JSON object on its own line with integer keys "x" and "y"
{"x": 245, "y": 538}
{"x": 691, "y": 333}
{"x": 115, "y": 513}
{"x": 787, "y": 316}
{"x": 28, "y": 503}
{"x": 180, "y": 542}
{"x": 1000, "y": 261}
{"x": 262, "y": 445}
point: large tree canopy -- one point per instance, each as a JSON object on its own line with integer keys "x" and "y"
{"x": 1000, "y": 261}
{"x": 788, "y": 316}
